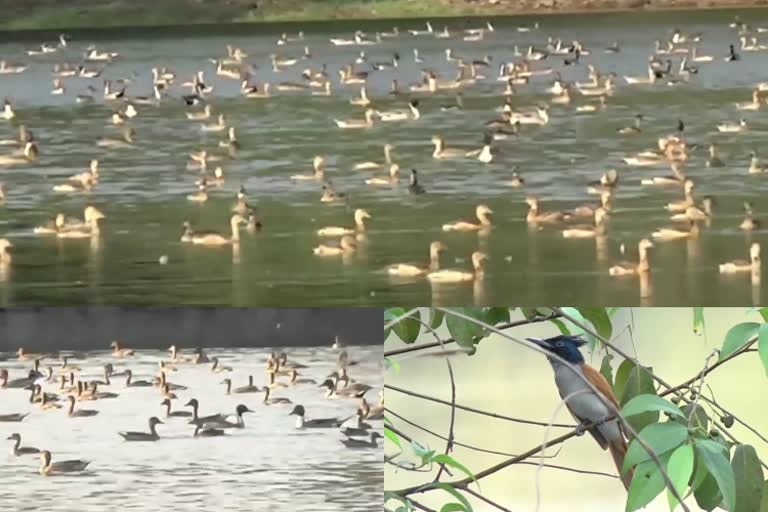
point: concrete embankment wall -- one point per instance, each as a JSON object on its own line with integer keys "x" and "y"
{"x": 93, "y": 328}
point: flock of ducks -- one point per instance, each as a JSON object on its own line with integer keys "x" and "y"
{"x": 282, "y": 376}
{"x": 674, "y": 61}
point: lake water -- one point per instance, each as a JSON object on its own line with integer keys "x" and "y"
{"x": 269, "y": 465}
{"x": 142, "y": 190}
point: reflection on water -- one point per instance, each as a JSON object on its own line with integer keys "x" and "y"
{"x": 268, "y": 465}
{"x": 142, "y": 190}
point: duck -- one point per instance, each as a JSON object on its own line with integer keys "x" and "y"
{"x": 448, "y": 276}
{"x": 215, "y": 368}
{"x": 752, "y": 265}
{"x": 12, "y": 418}
{"x": 125, "y": 141}
{"x": 535, "y": 216}
{"x": 732, "y": 55}
{"x": 749, "y": 223}
{"x": 219, "y": 126}
{"x": 377, "y": 411}
{"x": 589, "y": 231}
{"x": 362, "y": 100}
{"x": 58, "y": 87}
{"x": 200, "y": 431}
{"x": 345, "y": 247}
{"x": 714, "y": 159}
{"x": 355, "y": 123}
{"x": 642, "y": 267}
{"x": 358, "y": 427}
{"x": 161, "y": 381}
{"x": 482, "y": 212}
{"x": 26, "y": 155}
{"x": 23, "y": 355}
{"x": 412, "y": 113}
{"x": 755, "y": 104}
{"x": 250, "y": 388}
{"x": 414, "y": 188}
{"x": 728, "y": 127}
{"x": 588, "y": 210}
{"x": 441, "y": 152}
{"x": 302, "y": 422}
{"x": 80, "y": 413}
{"x": 695, "y": 213}
{"x": 676, "y": 178}
{"x": 294, "y": 374}
{"x": 135, "y": 383}
{"x": 356, "y": 390}
{"x": 360, "y": 216}
{"x": 211, "y": 238}
{"x": 48, "y": 468}
{"x": 515, "y": 180}
{"x": 681, "y": 206}
{"x": 7, "y": 68}
{"x": 673, "y": 233}
{"x": 592, "y": 107}
{"x": 755, "y": 166}
{"x": 46, "y": 403}
{"x": 8, "y": 112}
{"x": 633, "y": 129}
{"x": 197, "y": 420}
{"x": 201, "y": 196}
{"x": 201, "y": 115}
{"x": 377, "y": 165}
{"x": 18, "y": 450}
{"x": 224, "y": 423}
{"x": 392, "y": 179}
{"x": 357, "y": 444}
{"x": 318, "y": 166}
{"x": 253, "y": 92}
{"x": 144, "y": 436}
{"x": 483, "y": 154}
{"x": 456, "y": 106}
{"x": 274, "y": 400}
{"x": 539, "y": 117}
{"x": 409, "y": 270}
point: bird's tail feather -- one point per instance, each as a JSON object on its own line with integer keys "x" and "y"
{"x": 618, "y": 450}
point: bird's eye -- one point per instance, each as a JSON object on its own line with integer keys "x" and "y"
{"x": 559, "y": 344}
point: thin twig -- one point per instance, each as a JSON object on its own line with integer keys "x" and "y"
{"x": 421, "y": 507}
{"x": 449, "y": 442}
{"x": 483, "y": 498}
{"x": 712, "y": 354}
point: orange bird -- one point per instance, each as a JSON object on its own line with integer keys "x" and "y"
{"x": 582, "y": 401}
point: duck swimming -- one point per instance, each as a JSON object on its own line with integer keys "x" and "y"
{"x": 459, "y": 276}
{"x": 623, "y": 269}
{"x": 346, "y": 247}
{"x": 318, "y": 165}
{"x": 482, "y": 212}
{"x": 198, "y": 420}
{"x": 367, "y": 122}
{"x": 215, "y": 368}
{"x": 80, "y": 413}
{"x": 536, "y": 216}
{"x": 175, "y": 414}
{"x": 135, "y": 383}
{"x": 414, "y": 188}
{"x": 48, "y": 468}
{"x": 302, "y": 422}
{"x": 357, "y": 444}
{"x": 360, "y": 216}
{"x": 274, "y": 400}
{"x": 589, "y": 231}
{"x": 20, "y": 450}
{"x": 377, "y": 165}
{"x": 250, "y": 388}
{"x": 695, "y": 213}
{"x": 213, "y": 239}
{"x": 752, "y": 265}
{"x": 392, "y": 179}
{"x": 144, "y": 436}
{"x": 673, "y": 233}
{"x": 749, "y": 223}
{"x": 408, "y": 270}
{"x": 26, "y": 155}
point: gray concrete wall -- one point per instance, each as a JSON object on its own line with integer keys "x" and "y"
{"x": 94, "y": 327}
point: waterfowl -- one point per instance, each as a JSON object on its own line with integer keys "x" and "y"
{"x": 224, "y": 423}
{"x": 302, "y": 422}
{"x": 535, "y": 216}
{"x": 125, "y": 141}
{"x": 457, "y": 105}
{"x": 392, "y": 179}
{"x": 483, "y": 154}
{"x": 26, "y": 155}
{"x": 539, "y": 117}
{"x": 80, "y": 413}
{"x": 376, "y": 165}
{"x": 208, "y": 432}
{"x": 219, "y": 126}
{"x": 755, "y": 104}
{"x": 295, "y": 380}
{"x": 482, "y": 212}
{"x": 643, "y": 266}
{"x": 201, "y": 195}
{"x": 12, "y": 418}
{"x": 457, "y": 276}
{"x": 414, "y": 187}
{"x": 609, "y": 180}
{"x": 357, "y": 444}
{"x": 633, "y": 129}
{"x": 144, "y": 436}
{"x": 694, "y": 213}
{"x": 358, "y": 427}
{"x": 250, "y": 388}
{"x": 109, "y": 94}
{"x": 345, "y": 247}
{"x": 198, "y": 420}
{"x": 441, "y": 152}
{"x": 46, "y": 403}
{"x": 318, "y": 167}
{"x": 749, "y": 223}
{"x": 273, "y": 400}
{"x": 360, "y": 216}
{"x": 673, "y": 233}
{"x": 8, "y": 112}
{"x": 728, "y": 127}
{"x": 676, "y": 178}
{"x": 161, "y": 381}
{"x": 680, "y": 206}
{"x": 714, "y": 159}
{"x": 48, "y": 468}
{"x": 755, "y": 165}
{"x": 20, "y": 450}
{"x": 215, "y": 368}
{"x": 401, "y": 115}
{"x": 752, "y": 265}
{"x": 253, "y": 92}
{"x": 135, "y": 383}
{"x": 408, "y": 270}
{"x": 597, "y": 230}
{"x": 355, "y": 123}
{"x": 211, "y": 238}
{"x": 201, "y": 115}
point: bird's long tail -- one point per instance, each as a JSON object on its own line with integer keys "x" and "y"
{"x": 618, "y": 450}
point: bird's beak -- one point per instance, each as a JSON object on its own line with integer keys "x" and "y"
{"x": 541, "y": 343}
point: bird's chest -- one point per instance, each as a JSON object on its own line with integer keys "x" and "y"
{"x": 581, "y": 400}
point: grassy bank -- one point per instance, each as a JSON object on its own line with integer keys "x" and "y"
{"x": 41, "y": 15}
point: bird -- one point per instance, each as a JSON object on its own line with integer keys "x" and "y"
{"x": 357, "y": 444}
{"x": 301, "y": 422}
{"x": 48, "y": 468}
{"x": 23, "y": 450}
{"x": 144, "y": 436}
{"x": 582, "y": 401}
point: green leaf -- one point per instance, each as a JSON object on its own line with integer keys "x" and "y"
{"x": 451, "y": 462}
{"x": 599, "y": 319}
{"x": 612, "y": 311}
{"x": 451, "y": 490}
{"x": 639, "y": 382}
{"x": 453, "y": 507}
{"x": 435, "y": 318}
{"x": 389, "y": 434}
{"x": 561, "y": 326}
{"x": 698, "y": 321}
{"x": 389, "y": 495}
{"x": 391, "y": 364}
{"x": 496, "y": 316}
{"x": 606, "y": 370}
{"x": 764, "y": 504}
{"x": 737, "y": 337}
{"x": 748, "y": 474}
{"x": 679, "y": 469}
{"x": 576, "y": 315}
{"x": 645, "y": 403}
{"x": 661, "y": 437}
{"x": 762, "y": 345}
{"x": 622, "y": 376}
{"x": 465, "y": 332}
{"x": 713, "y": 456}
{"x": 764, "y": 313}
{"x": 707, "y": 494}
{"x": 407, "y": 329}
{"x": 389, "y": 317}
{"x": 646, "y": 484}
{"x": 700, "y": 418}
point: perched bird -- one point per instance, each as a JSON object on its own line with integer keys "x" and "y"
{"x": 583, "y": 403}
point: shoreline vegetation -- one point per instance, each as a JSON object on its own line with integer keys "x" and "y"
{"x": 42, "y": 15}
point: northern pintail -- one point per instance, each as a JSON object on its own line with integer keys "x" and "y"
{"x": 129, "y": 382}
{"x": 144, "y": 436}
{"x": 751, "y": 265}
{"x": 18, "y": 450}
{"x": 302, "y": 422}
{"x": 80, "y": 413}
{"x": 273, "y": 400}
{"x": 222, "y": 422}
{"x": 200, "y": 420}
{"x": 356, "y": 390}
{"x": 174, "y": 414}
{"x": 48, "y": 468}
{"x": 250, "y": 388}
{"x": 357, "y": 444}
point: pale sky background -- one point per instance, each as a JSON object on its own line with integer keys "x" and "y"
{"x": 509, "y": 379}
